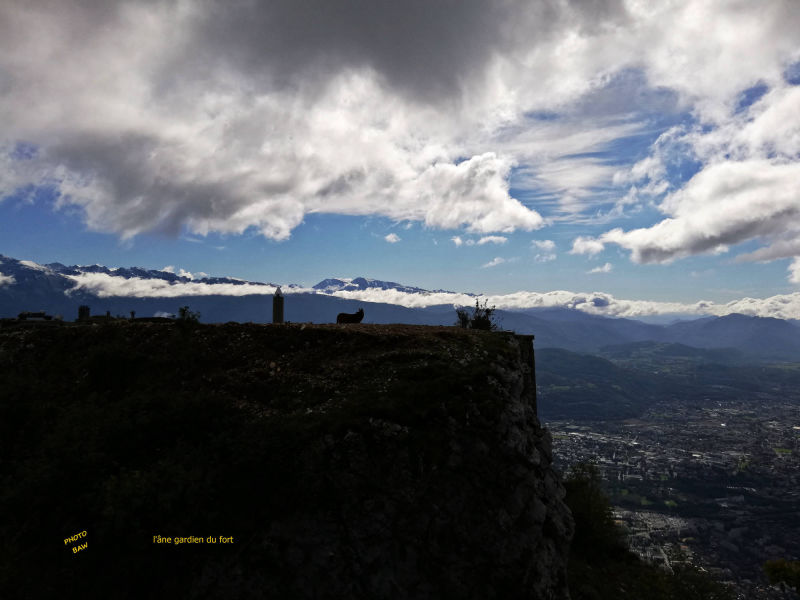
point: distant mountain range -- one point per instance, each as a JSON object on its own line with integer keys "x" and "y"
{"x": 363, "y": 283}
{"x": 28, "y": 286}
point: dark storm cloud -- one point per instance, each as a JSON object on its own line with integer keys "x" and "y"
{"x": 424, "y": 49}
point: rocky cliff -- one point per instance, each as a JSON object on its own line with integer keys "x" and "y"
{"x": 362, "y": 461}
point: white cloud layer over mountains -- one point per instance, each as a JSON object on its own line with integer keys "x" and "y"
{"x": 221, "y": 116}
{"x": 104, "y": 285}
{"x": 782, "y": 306}
{"x": 110, "y": 284}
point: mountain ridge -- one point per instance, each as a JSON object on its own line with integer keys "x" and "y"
{"x": 54, "y": 288}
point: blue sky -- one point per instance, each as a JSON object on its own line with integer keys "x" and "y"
{"x": 580, "y": 147}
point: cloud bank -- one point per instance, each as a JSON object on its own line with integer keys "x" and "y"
{"x": 599, "y": 303}
{"x": 103, "y": 285}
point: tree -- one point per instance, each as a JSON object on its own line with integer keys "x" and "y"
{"x": 595, "y": 530}
{"x": 782, "y": 570}
{"x": 184, "y": 314}
{"x": 482, "y": 317}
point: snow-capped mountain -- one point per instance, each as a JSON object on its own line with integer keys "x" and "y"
{"x": 344, "y": 284}
{"x": 142, "y": 273}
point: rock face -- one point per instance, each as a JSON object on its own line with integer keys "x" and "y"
{"x": 357, "y": 461}
{"x": 464, "y": 505}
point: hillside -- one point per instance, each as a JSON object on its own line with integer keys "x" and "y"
{"x": 581, "y": 386}
{"x": 629, "y": 379}
{"x": 340, "y": 462}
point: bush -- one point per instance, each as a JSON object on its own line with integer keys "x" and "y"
{"x": 783, "y": 571}
{"x": 184, "y": 314}
{"x": 481, "y": 317}
{"x": 595, "y": 530}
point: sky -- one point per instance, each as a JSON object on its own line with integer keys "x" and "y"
{"x": 649, "y": 151}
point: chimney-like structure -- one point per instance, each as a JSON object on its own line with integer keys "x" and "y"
{"x": 83, "y": 313}
{"x": 277, "y": 306}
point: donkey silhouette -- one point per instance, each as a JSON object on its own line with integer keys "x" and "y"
{"x": 350, "y": 317}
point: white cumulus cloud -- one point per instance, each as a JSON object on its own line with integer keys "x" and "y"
{"x": 546, "y": 250}
{"x": 498, "y": 260}
{"x": 586, "y": 245}
{"x": 548, "y": 245}
{"x": 392, "y": 238}
{"x": 724, "y": 204}
{"x": 492, "y": 239}
{"x": 794, "y": 271}
{"x": 606, "y": 268}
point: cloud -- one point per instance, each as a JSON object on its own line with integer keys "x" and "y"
{"x": 745, "y": 189}
{"x": 492, "y": 239}
{"x": 724, "y": 204}
{"x": 183, "y": 272}
{"x": 6, "y": 280}
{"x": 487, "y": 239}
{"x": 794, "y": 271}
{"x": 234, "y": 123}
{"x": 598, "y": 303}
{"x": 473, "y": 193}
{"x": 548, "y": 245}
{"x": 783, "y": 306}
{"x": 104, "y": 285}
{"x": 547, "y": 248}
{"x": 586, "y": 245}
{"x": 606, "y": 268}
{"x": 220, "y": 118}
{"x": 392, "y": 238}
{"x": 494, "y": 262}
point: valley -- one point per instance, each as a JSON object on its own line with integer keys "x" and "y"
{"x": 705, "y": 472}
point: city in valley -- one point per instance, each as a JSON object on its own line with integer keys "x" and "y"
{"x": 714, "y": 482}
